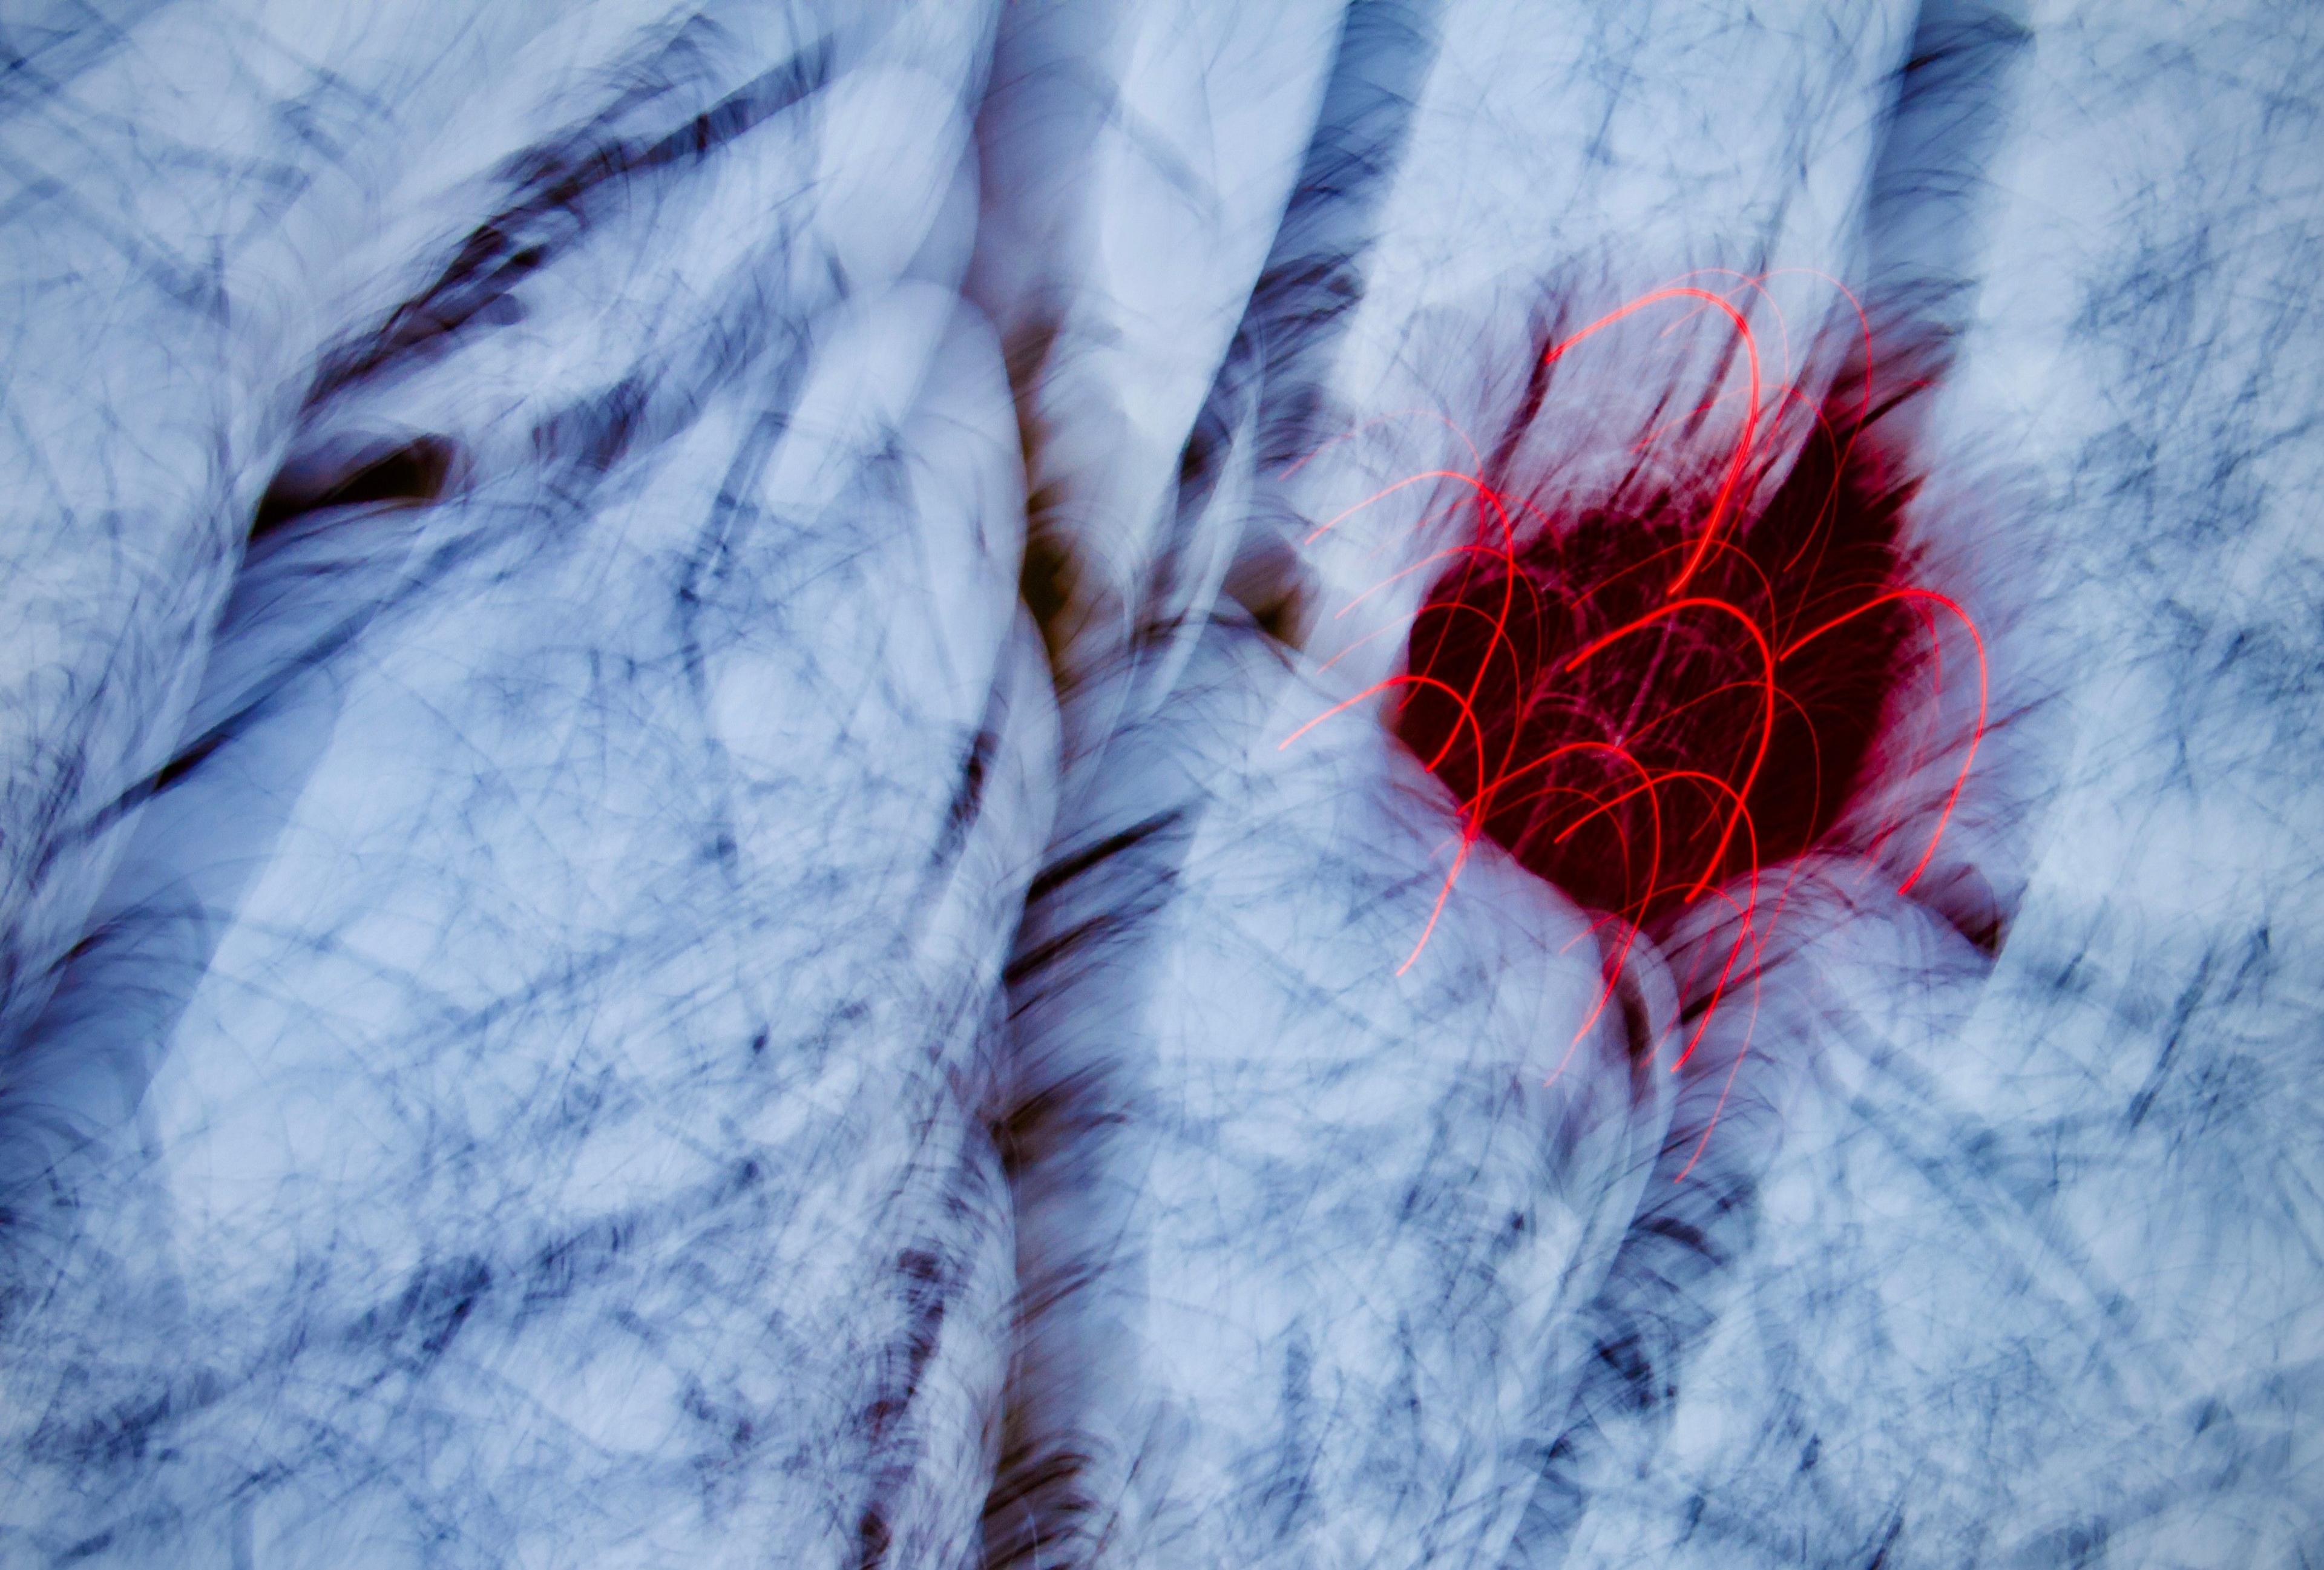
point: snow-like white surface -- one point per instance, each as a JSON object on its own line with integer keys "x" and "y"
{"x": 617, "y": 1001}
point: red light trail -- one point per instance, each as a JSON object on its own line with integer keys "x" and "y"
{"x": 1656, "y": 697}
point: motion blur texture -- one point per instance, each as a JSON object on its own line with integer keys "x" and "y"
{"x": 713, "y": 850}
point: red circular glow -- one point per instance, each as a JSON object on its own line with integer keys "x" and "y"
{"x": 1648, "y": 699}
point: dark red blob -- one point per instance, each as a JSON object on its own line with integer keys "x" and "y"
{"x": 1638, "y": 716}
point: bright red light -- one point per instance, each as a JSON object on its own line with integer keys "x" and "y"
{"x": 1650, "y": 698}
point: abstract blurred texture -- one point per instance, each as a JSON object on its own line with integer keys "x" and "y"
{"x": 1133, "y": 784}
